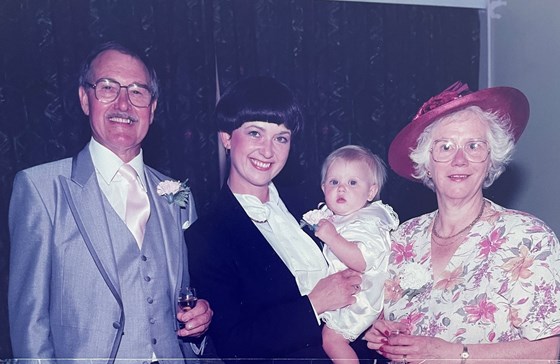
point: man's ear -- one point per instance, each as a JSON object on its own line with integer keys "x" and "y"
{"x": 152, "y": 111}
{"x": 225, "y": 138}
{"x": 84, "y": 100}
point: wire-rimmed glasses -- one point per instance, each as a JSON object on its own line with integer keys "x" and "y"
{"x": 475, "y": 150}
{"x": 107, "y": 90}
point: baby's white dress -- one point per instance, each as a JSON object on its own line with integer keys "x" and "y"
{"x": 370, "y": 229}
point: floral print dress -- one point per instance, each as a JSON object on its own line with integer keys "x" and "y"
{"x": 502, "y": 283}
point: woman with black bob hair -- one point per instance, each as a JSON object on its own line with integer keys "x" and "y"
{"x": 262, "y": 273}
{"x": 247, "y": 101}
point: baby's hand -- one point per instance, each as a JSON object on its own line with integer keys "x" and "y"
{"x": 325, "y": 231}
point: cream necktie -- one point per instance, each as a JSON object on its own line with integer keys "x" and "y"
{"x": 137, "y": 204}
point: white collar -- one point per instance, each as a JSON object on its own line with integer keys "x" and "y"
{"x": 255, "y": 209}
{"x": 108, "y": 163}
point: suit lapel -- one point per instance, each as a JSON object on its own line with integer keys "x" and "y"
{"x": 236, "y": 218}
{"x": 86, "y": 202}
{"x": 250, "y": 243}
{"x": 241, "y": 228}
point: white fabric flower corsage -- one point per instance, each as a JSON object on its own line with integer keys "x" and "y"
{"x": 312, "y": 218}
{"x": 176, "y": 192}
{"x": 413, "y": 278}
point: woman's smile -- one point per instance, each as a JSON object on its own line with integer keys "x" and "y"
{"x": 259, "y": 164}
{"x": 258, "y": 152}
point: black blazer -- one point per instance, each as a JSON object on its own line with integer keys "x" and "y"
{"x": 258, "y": 310}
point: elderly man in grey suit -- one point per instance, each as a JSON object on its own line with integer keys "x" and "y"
{"x": 96, "y": 253}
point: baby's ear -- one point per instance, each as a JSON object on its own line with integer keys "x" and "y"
{"x": 373, "y": 192}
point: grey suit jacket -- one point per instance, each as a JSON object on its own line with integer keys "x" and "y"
{"x": 64, "y": 295}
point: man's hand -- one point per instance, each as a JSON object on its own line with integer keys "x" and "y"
{"x": 196, "y": 320}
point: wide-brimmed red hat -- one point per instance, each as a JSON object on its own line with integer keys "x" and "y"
{"x": 507, "y": 102}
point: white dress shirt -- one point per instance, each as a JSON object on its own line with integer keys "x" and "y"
{"x": 111, "y": 183}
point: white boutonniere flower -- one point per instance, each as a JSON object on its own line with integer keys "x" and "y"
{"x": 312, "y": 218}
{"x": 176, "y": 192}
{"x": 413, "y": 278}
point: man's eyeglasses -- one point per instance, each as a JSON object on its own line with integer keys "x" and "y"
{"x": 107, "y": 90}
{"x": 443, "y": 150}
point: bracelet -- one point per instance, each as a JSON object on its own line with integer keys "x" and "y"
{"x": 465, "y": 354}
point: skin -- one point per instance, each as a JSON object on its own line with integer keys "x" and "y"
{"x": 459, "y": 182}
{"x": 348, "y": 187}
{"x": 458, "y": 185}
{"x": 424, "y": 349}
{"x": 121, "y": 127}
{"x": 196, "y": 320}
{"x": 258, "y": 152}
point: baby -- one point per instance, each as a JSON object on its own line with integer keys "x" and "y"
{"x": 354, "y": 225}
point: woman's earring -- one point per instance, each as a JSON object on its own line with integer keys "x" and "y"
{"x": 429, "y": 174}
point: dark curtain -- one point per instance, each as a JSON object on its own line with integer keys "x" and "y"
{"x": 360, "y": 71}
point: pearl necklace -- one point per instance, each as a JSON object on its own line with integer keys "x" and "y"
{"x": 468, "y": 227}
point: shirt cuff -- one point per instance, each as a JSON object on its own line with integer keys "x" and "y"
{"x": 198, "y": 348}
{"x": 317, "y": 317}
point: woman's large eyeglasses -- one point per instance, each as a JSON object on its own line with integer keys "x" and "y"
{"x": 107, "y": 90}
{"x": 443, "y": 150}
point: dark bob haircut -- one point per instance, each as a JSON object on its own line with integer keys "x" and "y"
{"x": 258, "y": 99}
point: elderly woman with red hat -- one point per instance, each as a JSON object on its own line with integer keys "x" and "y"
{"x": 471, "y": 280}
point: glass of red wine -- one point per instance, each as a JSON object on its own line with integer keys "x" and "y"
{"x": 186, "y": 300}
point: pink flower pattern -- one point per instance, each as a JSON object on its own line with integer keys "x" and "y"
{"x": 492, "y": 243}
{"x": 402, "y": 253}
{"x": 502, "y": 283}
{"x": 518, "y": 267}
{"x": 481, "y": 310}
{"x": 450, "y": 279}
